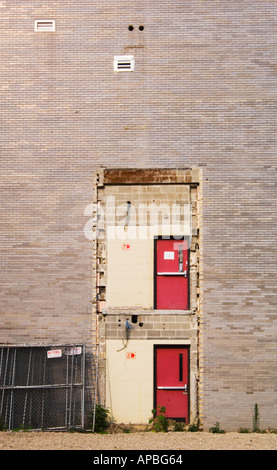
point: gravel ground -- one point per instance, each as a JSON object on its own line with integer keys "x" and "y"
{"x": 136, "y": 441}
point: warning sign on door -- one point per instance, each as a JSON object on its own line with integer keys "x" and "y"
{"x": 169, "y": 255}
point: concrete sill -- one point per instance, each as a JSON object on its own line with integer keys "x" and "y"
{"x": 142, "y": 311}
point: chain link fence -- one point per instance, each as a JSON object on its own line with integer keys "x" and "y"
{"x": 42, "y": 387}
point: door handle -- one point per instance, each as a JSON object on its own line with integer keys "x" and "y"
{"x": 185, "y": 388}
{"x": 173, "y": 274}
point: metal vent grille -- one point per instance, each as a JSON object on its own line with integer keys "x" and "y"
{"x": 44, "y": 25}
{"x": 124, "y": 63}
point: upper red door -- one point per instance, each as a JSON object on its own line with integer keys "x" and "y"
{"x": 171, "y": 381}
{"x": 171, "y": 274}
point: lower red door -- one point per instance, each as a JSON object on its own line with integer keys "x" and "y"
{"x": 171, "y": 381}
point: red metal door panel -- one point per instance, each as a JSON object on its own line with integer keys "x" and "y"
{"x": 172, "y": 274}
{"x": 172, "y": 381}
{"x": 171, "y": 293}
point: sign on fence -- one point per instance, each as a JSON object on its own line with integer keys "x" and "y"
{"x": 54, "y": 353}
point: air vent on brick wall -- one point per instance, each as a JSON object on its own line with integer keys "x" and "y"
{"x": 44, "y": 25}
{"x": 124, "y": 63}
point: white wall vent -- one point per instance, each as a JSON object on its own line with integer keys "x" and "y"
{"x": 124, "y": 63}
{"x": 44, "y": 25}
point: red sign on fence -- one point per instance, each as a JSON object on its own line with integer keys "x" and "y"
{"x": 54, "y": 353}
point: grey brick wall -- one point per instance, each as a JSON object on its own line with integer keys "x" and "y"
{"x": 202, "y": 94}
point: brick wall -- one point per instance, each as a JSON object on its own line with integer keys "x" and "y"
{"x": 202, "y": 94}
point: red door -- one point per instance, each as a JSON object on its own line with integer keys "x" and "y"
{"x": 171, "y": 275}
{"x": 171, "y": 381}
